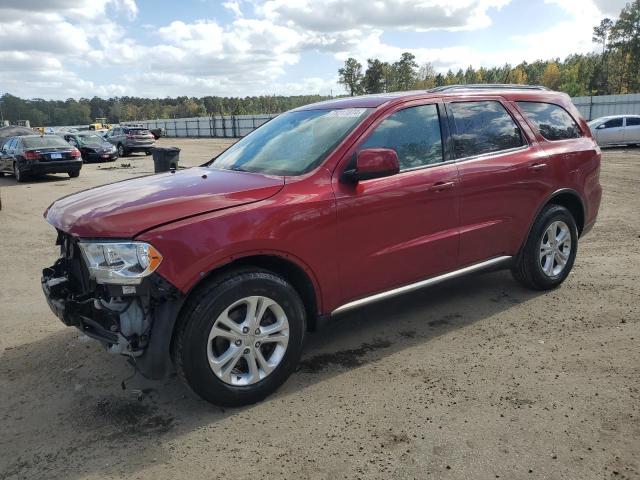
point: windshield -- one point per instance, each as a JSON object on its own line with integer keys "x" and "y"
{"x": 137, "y": 131}
{"x": 92, "y": 139}
{"x": 44, "y": 142}
{"x": 291, "y": 144}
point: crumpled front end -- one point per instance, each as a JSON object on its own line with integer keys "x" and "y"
{"x": 131, "y": 320}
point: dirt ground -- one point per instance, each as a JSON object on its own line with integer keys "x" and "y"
{"x": 474, "y": 379}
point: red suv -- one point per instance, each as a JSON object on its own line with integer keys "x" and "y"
{"x": 221, "y": 269}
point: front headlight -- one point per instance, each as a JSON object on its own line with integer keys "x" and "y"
{"x": 121, "y": 263}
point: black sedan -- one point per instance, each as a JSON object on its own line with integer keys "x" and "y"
{"x": 37, "y": 155}
{"x": 92, "y": 146}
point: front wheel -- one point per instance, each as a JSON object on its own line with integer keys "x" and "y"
{"x": 550, "y": 251}
{"x": 121, "y": 151}
{"x": 240, "y": 337}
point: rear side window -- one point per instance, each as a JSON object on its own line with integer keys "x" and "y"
{"x": 414, "y": 133}
{"x": 553, "y": 121}
{"x": 633, "y": 121}
{"x": 483, "y": 127}
{"x": 613, "y": 123}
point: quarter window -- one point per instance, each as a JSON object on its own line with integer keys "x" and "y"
{"x": 613, "y": 123}
{"x": 553, "y": 121}
{"x": 414, "y": 133}
{"x": 483, "y": 127}
{"x": 633, "y": 121}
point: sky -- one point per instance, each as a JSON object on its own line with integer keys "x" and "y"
{"x": 56, "y": 49}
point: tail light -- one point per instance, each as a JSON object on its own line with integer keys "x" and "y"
{"x": 75, "y": 153}
{"x": 29, "y": 155}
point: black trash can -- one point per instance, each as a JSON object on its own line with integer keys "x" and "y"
{"x": 165, "y": 159}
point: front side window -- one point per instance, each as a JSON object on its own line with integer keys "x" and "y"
{"x": 292, "y": 143}
{"x": 483, "y": 127}
{"x": 553, "y": 121}
{"x": 633, "y": 121}
{"x": 613, "y": 123}
{"x": 414, "y": 133}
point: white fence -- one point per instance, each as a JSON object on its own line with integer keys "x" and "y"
{"x": 603, "y": 105}
{"x": 215, "y": 126}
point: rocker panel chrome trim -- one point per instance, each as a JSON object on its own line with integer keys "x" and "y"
{"x": 421, "y": 284}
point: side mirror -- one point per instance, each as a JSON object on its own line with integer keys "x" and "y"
{"x": 600, "y": 127}
{"x": 373, "y": 163}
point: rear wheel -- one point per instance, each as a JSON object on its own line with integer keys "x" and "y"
{"x": 550, "y": 251}
{"x": 17, "y": 172}
{"x": 147, "y": 152}
{"x": 240, "y": 337}
{"x": 74, "y": 173}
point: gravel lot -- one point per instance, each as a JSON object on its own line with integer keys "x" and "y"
{"x": 474, "y": 379}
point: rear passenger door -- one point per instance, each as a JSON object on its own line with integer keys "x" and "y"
{"x": 503, "y": 177}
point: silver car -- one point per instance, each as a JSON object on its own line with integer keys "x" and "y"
{"x": 616, "y": 130}
{"x": 131, "y": 139}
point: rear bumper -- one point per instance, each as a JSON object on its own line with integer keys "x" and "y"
{"x": 63, "y": 166}
{"x": 141, "y": 325}
{"x": 100, "y": 157}
{"x": 139, "y": 148}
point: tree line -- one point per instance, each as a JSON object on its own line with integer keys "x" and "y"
{"x": 613, "y": 69}
{"x": 42, "y": 112}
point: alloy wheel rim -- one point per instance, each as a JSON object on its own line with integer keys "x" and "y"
{"x": 555, "y": 248}
{"x": 248, "y": 341}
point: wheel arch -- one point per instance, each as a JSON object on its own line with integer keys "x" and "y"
{"x": 292, "y": 270}
{"x": 566, "y": 197}
{"x": 572, "y": 201}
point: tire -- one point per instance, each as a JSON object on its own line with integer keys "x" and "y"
{"x": 74, "y": 173}
{"x": 545, "y": 272}
{"x": 147, "y": 152}
{"x": 121, "y": 151}
{"x": 20, "y": 177}
{"x": 196, "y": 341}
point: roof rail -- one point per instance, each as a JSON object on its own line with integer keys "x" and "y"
{"x": 488, "y": 86}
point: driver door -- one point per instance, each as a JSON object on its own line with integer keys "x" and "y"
{"x": 611, "y": 132}
{"x": 400, "y": 229}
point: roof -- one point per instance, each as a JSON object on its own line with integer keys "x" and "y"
{"x": 509, "y": 91}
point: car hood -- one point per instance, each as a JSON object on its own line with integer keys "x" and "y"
{"x": 125, "y": 209}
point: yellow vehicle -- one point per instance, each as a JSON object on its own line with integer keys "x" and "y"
{"x": 100, "y": 123}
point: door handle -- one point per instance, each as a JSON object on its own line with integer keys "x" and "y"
{"x": 439, "y": 186}
{"x": 538, "y": 166}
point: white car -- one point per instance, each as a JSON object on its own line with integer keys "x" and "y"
{"x": 616, "y": 130}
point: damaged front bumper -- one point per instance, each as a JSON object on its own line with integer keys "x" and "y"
{"x": 132, "y": 320}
